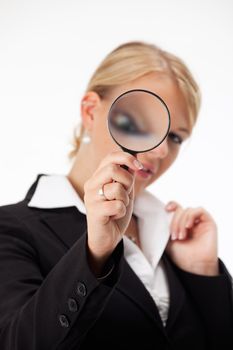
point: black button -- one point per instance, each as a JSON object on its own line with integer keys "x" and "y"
{"x": 81, "y": 289}
{"x": 73, "y": 305}
{"x": 64, "y": 322}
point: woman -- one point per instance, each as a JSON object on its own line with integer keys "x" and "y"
{"x": 92, "y": 258}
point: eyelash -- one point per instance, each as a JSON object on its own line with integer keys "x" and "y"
{"x": 175, "y": 138}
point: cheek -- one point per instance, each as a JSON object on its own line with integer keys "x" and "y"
{"x": 165, "y": 165}
{"x": 170, "y": 159}
{"x": 102, "y": 142}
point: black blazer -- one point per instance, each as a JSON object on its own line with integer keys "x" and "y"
{"x": 49, "y": 298}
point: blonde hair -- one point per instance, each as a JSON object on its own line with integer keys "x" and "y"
{"x": 133, "y": 60}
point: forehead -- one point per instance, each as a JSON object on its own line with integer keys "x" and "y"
{"x": 165, "y": 87}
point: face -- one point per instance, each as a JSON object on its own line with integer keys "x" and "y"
{"x": 156, "y": 161}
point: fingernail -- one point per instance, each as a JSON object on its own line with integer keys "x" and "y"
{"x": 173, "y": 236}
{"x": 181, "y": 236}
{"x": 168, "y": 206}
{"x": 138, "y": 164}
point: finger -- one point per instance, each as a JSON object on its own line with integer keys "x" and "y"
{"x": 174, "y": 226}
{"x": 190, "y": 218}
{"x": 122, "y": 158}
{"x": 183, "y": 227}
{"x": 172, "y": 205}
{"x": 109, "y": 174}
{"x": 112, "y": 173}
{"x": 108, "y": 209}
{"x": 115, "y": 191}
{"x": 112, "y": 209}
{"x": 197, "y": 215}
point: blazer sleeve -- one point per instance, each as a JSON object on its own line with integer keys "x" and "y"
{"x": 213, "y": 297}
{"x": 52, "y": 312}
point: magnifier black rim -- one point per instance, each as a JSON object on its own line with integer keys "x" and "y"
{"x": 155, "y": 95}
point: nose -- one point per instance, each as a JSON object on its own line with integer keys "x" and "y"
{"x": 160, "y": 151}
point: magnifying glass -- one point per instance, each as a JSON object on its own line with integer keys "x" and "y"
{"x": 138, "y": 121}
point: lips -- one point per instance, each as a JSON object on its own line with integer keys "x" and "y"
{"x": 147, "y": 171}
{"x": 149, "y": 168}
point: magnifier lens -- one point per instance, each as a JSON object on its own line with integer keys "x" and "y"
{"x": 138, "y": 120}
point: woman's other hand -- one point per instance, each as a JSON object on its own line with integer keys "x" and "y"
{"x": 193, "y": 242}
{"x": 108, "y": 216}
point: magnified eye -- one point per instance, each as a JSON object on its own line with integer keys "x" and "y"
{"x": 125, "y": 123}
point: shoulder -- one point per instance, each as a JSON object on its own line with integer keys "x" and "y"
{"x": 17, "y": 216}
{"x": 19, "y": 211}
{"x": 16, "y": 222}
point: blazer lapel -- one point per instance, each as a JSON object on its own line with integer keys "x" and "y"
{"x": 68, "y": 224}
{"x": 177, "y": 293}
{"x": 132, "y": 287}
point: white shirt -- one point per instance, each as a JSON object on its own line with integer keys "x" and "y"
{"x": 56, "y": 191}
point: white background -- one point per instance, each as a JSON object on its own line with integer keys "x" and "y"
{"x": 50, "y": 48}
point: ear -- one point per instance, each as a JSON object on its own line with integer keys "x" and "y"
{"x": 89, "y": 106}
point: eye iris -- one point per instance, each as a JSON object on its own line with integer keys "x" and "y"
{"x": 122, "y": 119}
{"x": 123, "y": 123}
{"x": 175, "y": 138}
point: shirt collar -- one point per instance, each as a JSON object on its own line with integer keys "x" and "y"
{"x": 56, "y": 191}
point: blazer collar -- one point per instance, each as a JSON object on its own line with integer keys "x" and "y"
{"x": 67, "y": 223}
{"x": 143, "y": 299}
{"x": 139, "y": 294}
{"x": 177, "y": 292}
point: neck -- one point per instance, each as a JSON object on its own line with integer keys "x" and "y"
{"x": 132, "y": 231}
